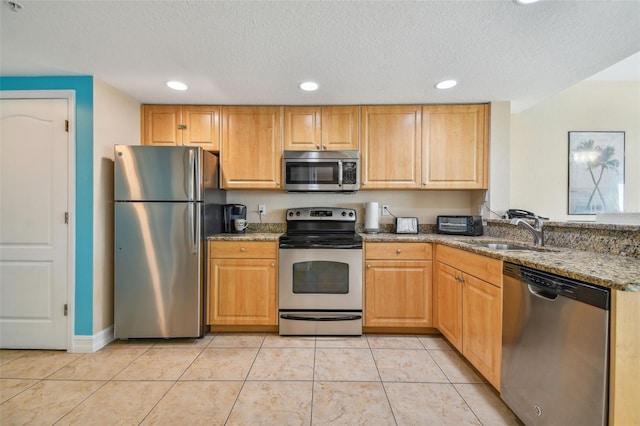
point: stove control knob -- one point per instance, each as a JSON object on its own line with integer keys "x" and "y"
{"x": 290, "y": 214}
{"x": 297, "y": 213}
{"x": 344, "y": 213}
{"x": 350, "y": 214}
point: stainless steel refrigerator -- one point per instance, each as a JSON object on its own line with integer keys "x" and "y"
{"x": 167, "y": 201}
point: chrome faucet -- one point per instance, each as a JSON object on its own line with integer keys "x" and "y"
{"x": 537, "y": 231}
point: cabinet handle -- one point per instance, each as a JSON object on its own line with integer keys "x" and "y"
{"x": 324, "y": 147}
{"x": 318, "y": 147}
{"x": 398, "y": 251}
{"x": 277, "y": 183}
{"x": 182, "y": 127}
{"x": 242, "y": 249}
{"x": 368, "y": 266}
{"x": 273, "y": 265}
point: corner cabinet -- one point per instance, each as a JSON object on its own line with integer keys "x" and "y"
{"x": 251, "y": 152}
{"x": 194, "y": 125}
{"x": 398, "y": 291}
{"x": 242, "y": 286}
{"x": 455, "y": 146}
{"x": 324, "y": 128}
{"x": 468, "y": 311}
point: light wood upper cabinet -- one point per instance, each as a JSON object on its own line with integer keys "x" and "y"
{"x": 195, "y": 125}
{"x": 202, "y": 126}
{"x": 340, "y": 126}
{"x": 455, "y": 146}
{"x": 321, "y": 128}
{"x": 251, "y": 152}
{"x": 391, "y": 147}
{"x": 398, "y": 291}
{"x": 160, "y": 125}
{"x": 243, "y": 283}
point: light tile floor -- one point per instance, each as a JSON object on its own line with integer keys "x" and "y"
{"x": 250, "y": 379}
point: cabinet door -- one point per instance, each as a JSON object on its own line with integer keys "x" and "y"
{"x": 251, "y": 153}
{"x": 242, "y": 292}
{"x": 160, "y": 125}
{"x": 202, "y": 126}
{"x": 302, "y": 128}
{"x": 448, "y": 296}
{"x": 482, "y": 330}
{"x": 455, "y": 146}
{"x": 398, "y": 294}
{"x": 391, "y": 144}
{"x": 340, "y": 127}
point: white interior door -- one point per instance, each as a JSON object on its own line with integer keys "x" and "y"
{"x": 34, "y": 169}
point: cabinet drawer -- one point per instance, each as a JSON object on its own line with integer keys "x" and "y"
{"x": 243, "y": 249}
{"x": 482, "y": 267}
{"x": 398, "y": 251}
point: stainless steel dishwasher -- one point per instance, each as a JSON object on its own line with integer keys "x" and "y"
{"x": 555, "y": 348}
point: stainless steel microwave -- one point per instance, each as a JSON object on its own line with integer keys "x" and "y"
{"x": 321, "y": 171}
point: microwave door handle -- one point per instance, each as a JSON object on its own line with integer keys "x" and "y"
{"x": 339, "y": 172}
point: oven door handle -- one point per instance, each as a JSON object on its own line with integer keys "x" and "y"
{"x": 312, "y": 318}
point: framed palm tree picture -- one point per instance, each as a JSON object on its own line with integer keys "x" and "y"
{"x": 596, "y": 172}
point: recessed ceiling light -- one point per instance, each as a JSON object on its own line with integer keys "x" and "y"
{"x": 523, "y": 2}
{"x": 446, "y": 84}
{"x": 309, "y": 86}
{"x": 177, "y": 85}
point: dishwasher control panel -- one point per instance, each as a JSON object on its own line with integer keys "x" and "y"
{"x": 562, "y": 286}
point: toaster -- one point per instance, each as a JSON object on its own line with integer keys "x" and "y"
{"x": 406, "y": 225}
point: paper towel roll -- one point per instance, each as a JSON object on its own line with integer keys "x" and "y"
{"x": 371, "y": 217}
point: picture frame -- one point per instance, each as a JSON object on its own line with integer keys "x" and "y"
{"x": 596, "y": 172}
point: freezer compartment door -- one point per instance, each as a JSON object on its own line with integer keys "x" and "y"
{"x": 158, "y": 270}
{"x": 158, "y": 173}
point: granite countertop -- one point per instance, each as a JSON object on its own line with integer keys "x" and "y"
{"x": 249, "y": 236}
{"x": 616, "y": 272}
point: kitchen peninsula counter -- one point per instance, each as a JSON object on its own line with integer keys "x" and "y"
{"x": 615, "y": 272}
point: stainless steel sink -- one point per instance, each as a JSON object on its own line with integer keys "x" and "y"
{"x": 509, "y": 246}
{"x": 502, "y": 246}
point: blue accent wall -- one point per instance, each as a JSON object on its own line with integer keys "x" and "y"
{"x": 83, "y": 87}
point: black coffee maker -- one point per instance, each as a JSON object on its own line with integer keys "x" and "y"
{"x": 231, "y": 212}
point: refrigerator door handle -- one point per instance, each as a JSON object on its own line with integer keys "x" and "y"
{"x": 193, "y": 176}
{"x": 194, "y": 227}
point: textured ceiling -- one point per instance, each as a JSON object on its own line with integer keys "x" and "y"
{"x": 361, "y": 52}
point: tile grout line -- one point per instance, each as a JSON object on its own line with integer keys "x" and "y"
{"x": 244, "y": 381}
{"x": 384, "y": 388}
{"x": 172, "y": 385}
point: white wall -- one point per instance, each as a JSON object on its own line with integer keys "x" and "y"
{"x": 539, "y": 144}
{"x": 116, "y": 121}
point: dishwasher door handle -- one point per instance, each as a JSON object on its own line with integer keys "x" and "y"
{"x": 542, "y": 293}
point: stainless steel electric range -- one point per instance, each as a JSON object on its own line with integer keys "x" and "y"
{"x": 320, "y": 273}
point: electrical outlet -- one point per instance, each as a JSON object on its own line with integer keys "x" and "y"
{"x": 262, "y": 209}
{"x": 385, "y": 210}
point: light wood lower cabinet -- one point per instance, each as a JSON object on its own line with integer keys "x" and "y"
{"x": 468, "y": 311}
{"x": 243, "y": 283}
{"x": 398, "y": 285}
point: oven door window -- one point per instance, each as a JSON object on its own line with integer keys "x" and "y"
{"x": 312, "y": 173}
{"x": 320, "y": 277}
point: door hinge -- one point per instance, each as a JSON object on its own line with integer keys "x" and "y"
{"x": 66, "y": 126}
{"x": 66, "y": 309}
{"x": 66, "y": 217}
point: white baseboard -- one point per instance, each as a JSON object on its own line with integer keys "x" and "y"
{"x": 89, "y": 344}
